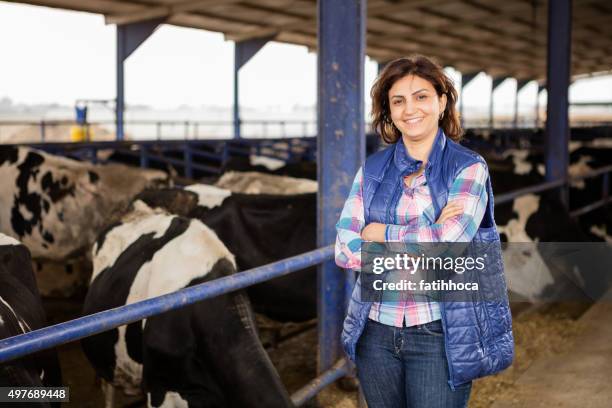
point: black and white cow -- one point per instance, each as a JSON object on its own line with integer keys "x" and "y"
{"x": 204, "y": 355}
{"x": 20, "y": 312}
{"x": 57, "y": 206}
{"x": 258, "y": 229}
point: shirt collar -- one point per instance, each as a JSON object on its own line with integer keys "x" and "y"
{"x": 407, "y": 164}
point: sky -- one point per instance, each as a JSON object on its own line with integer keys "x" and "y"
{"x": 56, "y": 56}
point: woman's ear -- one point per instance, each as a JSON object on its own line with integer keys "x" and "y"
{"x": 442, "y": 103}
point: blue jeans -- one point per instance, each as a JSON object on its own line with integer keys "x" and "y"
{"x": 406, "y": 367}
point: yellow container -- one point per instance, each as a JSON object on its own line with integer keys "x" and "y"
{"x": 80, "y": 133}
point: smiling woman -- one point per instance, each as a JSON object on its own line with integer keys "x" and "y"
{"x": 424, "y": 187}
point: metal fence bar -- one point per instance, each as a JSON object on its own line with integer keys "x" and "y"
{"x": 505, "y": 197}
{"x": 588, "y": 208}
{"x": 338, "y": 370}
{"x": 34, "y": 341}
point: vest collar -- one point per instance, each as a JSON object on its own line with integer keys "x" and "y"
{"x": 407, "y": 164}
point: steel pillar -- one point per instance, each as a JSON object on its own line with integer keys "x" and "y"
{"x": 495, "y": 82}
{"x": 558, "y": 72}
{"x": 465, "y": 80}
{"x": 243, "y": 52}
{"x": 129, "y": 38}
{"x": 520, "y": 84}
{"x": 341, "y": 150}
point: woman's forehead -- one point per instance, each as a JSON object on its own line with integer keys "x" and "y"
{"x": 409, "y": 84}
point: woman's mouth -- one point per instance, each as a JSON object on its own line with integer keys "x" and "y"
{"x": 413, "y": 121}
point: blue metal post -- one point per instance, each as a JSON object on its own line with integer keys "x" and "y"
{"x": 520, "y": 84}
{"x": 129, "y": 37}
{"x": 188, "y": 160}
{"x": 495, "y": 82}
{"x": 42, "y": 130}
{"x": 144, "y": 156}
{"x": 341, "y": 149}
{"x": 465, "y": 80}
{"x": 558, "y": 72}
{"x": 243, "y": 52}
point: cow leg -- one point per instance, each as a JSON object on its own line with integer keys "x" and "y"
{"x": 108, "y": 389}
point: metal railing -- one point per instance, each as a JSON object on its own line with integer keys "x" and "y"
{"x": 550, "y": 185}
{"x": 51, "y": 336}
{"x": 181, "y": 129}
{"x": 190, "y": 157}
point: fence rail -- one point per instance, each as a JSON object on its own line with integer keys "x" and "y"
{"x": 256, "y": 128}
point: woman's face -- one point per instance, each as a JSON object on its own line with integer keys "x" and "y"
{"x": 415, "y": 107}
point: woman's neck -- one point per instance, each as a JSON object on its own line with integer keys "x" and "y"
{"x": 419, "y": 149}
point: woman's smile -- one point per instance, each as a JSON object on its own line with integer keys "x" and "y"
{"x": 413, "y": 121}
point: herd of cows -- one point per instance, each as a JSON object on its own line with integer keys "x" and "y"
{"x": 123, "y": 234}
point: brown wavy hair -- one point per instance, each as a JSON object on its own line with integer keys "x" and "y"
{"x": 427, "y": 69}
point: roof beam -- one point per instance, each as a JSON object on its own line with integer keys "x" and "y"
{"x": 149, "y": 13}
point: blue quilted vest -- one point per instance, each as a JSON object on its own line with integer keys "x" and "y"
{"x": 478, "y": 335}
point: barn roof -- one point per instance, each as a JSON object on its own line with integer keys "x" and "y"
{"x": 500, "y": 37}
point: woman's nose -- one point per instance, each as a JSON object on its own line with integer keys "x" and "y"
{"x": 409, "y": 108}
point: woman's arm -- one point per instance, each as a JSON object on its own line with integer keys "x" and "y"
{"x": 468, "y": 192}
{"x": 349, "y": 226}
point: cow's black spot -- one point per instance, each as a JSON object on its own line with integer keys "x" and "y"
{"x": 8, "y": 153}
{"x": 93, "y": 177}
{"x": 47, "y": 236}
{"x": 54, "y": 189}
{"x": 32, "y": 201}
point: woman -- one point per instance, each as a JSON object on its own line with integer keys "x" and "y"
{"x": 424, "y": 187}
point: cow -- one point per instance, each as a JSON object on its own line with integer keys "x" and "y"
{"x": 57, "y": 206}
{"x": 258, "y": 228}
{"x": 21, "y": 311}
{"x": 207, "y": 354}
{"x": 527, "y": 220}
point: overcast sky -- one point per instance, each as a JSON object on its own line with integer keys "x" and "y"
{"x": 49, "y": 55}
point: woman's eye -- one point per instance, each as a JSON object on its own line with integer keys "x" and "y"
{"x": 397, "y": 102}
{"x": 422, "y": 97}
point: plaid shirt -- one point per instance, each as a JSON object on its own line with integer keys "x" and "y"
{"x": 412, "y": 224}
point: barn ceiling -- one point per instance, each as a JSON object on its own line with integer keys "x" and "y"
{"x": 500, "y": 37}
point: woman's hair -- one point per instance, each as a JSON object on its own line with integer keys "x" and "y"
{"x": 427, "y": 69}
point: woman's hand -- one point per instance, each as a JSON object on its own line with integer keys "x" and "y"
{"x": 374, "y": 232}
{"x": 451, "y": 210}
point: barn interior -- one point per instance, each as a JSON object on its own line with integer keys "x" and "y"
{"x": 564, "y": 169}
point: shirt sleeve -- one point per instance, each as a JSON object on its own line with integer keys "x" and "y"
{"x": 349, "y": 226}
{"x": 469, "y": 189}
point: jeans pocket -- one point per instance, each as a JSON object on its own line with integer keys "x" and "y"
{"x": 434, "y": 328}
